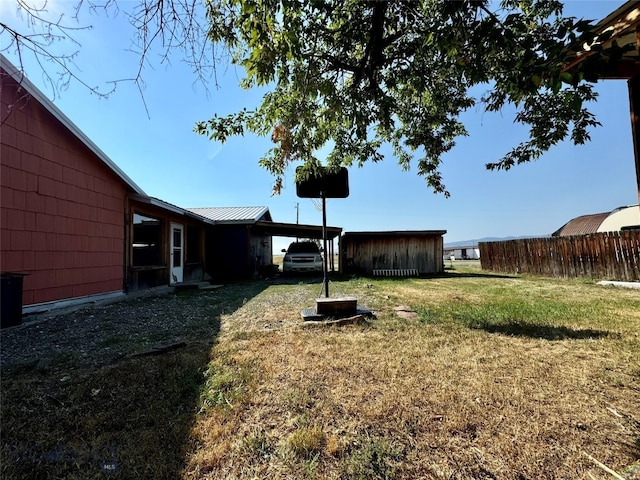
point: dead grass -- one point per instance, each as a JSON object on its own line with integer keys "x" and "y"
{"x": 497, "y": 377}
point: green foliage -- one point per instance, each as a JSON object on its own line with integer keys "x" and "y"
{"x": 226, "y": 383}
{"x": 356, "y": 75}
{"x": 297, "y": 400}
{"x": 256, "y": 445}
{"x": 373, "y": 458}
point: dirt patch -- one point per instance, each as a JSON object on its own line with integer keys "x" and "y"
{"x": 406, "y": 312}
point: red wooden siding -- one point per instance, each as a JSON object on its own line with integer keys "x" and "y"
{"x": 62, "y": 207}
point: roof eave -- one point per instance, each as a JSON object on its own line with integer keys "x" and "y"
{"x": 169, "y": 207}
{"x": 621, "y": 21}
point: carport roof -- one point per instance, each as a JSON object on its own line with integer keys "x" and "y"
{"x": 297, "y": 230}
{"x": 260, "y": 218}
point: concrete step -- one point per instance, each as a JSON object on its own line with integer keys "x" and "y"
{"x": 181, "y": 286}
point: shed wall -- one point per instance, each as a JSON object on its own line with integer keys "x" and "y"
{"x": 236, "y": 252}
{"x": 365, "y": 254}
{"x": 62, "y": 208}
{"x": 228, "y": 252}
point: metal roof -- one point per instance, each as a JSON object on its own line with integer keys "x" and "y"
{"x": 594, "y": 223}
{"x": 222, "y": 215}
{"x": 34, "y": 92}
{"x": 581, "y": 225}
{"x": 259, "y": 217}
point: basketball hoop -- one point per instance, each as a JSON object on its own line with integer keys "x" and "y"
{"x": 321, "y": 186}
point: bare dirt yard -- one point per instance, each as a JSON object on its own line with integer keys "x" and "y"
{"x": 465, "y": 375}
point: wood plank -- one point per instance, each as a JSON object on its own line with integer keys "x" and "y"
{"x": 613, "y": 255}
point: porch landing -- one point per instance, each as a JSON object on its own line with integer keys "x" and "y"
{"x": 181, "y": 286}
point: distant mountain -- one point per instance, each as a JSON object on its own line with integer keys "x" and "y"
{"x": 475, "y": 241}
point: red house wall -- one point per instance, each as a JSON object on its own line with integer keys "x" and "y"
{"x": 62, "y": 208}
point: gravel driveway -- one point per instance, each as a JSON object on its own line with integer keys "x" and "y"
{"x": 101, "y": 334}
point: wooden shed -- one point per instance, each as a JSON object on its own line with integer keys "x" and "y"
{"x": 399, "y": 253}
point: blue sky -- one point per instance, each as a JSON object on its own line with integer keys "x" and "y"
{"x": 160, "y": 152}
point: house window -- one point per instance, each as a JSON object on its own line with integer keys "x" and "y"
{"x": 147, "y": 240}
{"x": 194, "y": 244}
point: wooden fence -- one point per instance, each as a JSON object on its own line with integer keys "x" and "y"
{"x": 611, "y": 256}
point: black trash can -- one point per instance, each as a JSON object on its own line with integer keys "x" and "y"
{"x": 11, "y": 299}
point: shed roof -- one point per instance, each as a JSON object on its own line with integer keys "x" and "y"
{"x": 227, "y": 215}
{"x": 397, "y": 234}
{"x": 35, "y": 93}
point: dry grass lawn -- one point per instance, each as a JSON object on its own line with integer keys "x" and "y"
{"x": 480, "y": 377}
{"x": 506, "y": 378}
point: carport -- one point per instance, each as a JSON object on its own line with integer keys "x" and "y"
{"x": 296, "y": 230}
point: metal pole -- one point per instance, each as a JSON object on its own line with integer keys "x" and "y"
{"x": 324, "y": 238}
{"x": 297, "y": 216}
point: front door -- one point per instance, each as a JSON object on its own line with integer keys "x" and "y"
{"x": 177, "y": 252}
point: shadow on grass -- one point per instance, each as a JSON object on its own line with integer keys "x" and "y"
{"x": 449, "y": 274}
{"x": 545, "y": 332}
{"x": 130, "y": 418}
